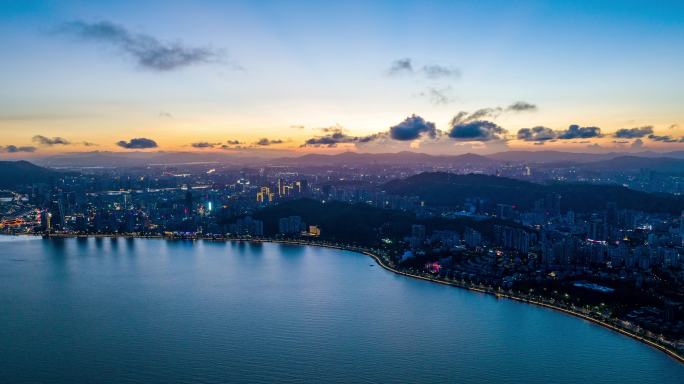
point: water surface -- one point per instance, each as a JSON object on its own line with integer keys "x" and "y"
{"x": 156, "y": 311}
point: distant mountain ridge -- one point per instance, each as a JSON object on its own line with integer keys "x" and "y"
{"x": 137, "y": 159}
{"x": 636, "y": 160}
{"x": 549, "y": 156}
{"x": 399, "y": 158}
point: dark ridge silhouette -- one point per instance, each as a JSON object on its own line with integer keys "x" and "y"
{"x": 17, "y": 173}
{"x": 446, "y": 189}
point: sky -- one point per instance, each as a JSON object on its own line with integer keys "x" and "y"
{"x": 321, "y": 76}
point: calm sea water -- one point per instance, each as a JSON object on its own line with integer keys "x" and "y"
{"x": 155, "y": 311}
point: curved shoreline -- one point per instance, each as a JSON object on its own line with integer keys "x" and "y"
{"x": 383, "y": 263}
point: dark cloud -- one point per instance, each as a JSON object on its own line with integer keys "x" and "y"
{"x": 373, "y": 137}
{"x": 666, "y": 139}
{"x": 673, "y": 126}
{"x": 521, "y": 106}
{"x": 50, "y": 141}
{"x": 165, "y": 114}
{"x": 233, "y": 142}
{"x": 412, "y": 128}
{"x": 576, "y": 132}
{"x": 634, "y": 133}
{"x": 637, "y": 144}
{"x": 401, "y": 66}
{"x": 335, "y": 135}
{"x": 137, "y": 143}
{"x": 573, "y": 132}
{"x": 15, "y": 149}
{"x": 266, "y": 142}
{"x": 435, "y": 71}
{"x": 89, "y": 144}
{"x": 478, "y": 130}
{"x": 538, "y": 133}
{"x": 483, "y": 113}
{"x": 204, "y": 145}
{"x": 491, "y": 113}
{"x": 149, "y": 52}
{"x": 459, "y": 118}
{"x": 331, "y": 140}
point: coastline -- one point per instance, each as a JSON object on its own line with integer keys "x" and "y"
{"x": 385, "y": 265}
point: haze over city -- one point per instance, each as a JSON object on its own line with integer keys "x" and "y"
{"x": 286, "y": 78}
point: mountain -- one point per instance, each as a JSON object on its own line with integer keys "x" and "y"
{"x": 653, "y": 160}
{"x": 446, "y": 189}
{"x": 137, "y": 159}
{"x": 17, "y": 173}
{"x": 560, "y": 157}
{"x": 401, "y": 158}
{"x": 353, "y": 159}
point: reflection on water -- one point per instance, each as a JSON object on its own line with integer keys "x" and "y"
{"x": 8, "y": 238}
{"x": 155, "y": 311}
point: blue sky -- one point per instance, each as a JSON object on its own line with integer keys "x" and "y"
{"x": 276, "y": 67}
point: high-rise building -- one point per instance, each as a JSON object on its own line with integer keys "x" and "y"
{"x": 281, "y": 188}
{"x": 472, "y": 237}
{"x": 45, "y": 220}
{"x": 265, "y": 195}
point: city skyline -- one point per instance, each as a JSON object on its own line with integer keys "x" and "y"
{"x": 284, "y": 77}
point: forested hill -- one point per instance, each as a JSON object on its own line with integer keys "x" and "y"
{"x": 360, "y": 223}
{"x": 17, "y": 173}
{"x": 444, "y": 189}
